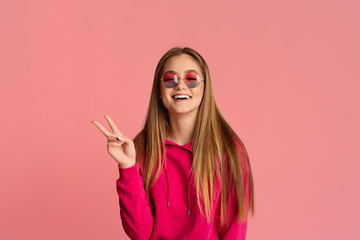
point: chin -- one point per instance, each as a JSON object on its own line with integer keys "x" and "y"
{"x": 183, "y": 111}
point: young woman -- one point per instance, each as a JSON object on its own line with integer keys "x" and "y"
{"x": 187, "y": 174}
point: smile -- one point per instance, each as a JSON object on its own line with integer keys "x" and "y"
{"x": 181, "y": 97}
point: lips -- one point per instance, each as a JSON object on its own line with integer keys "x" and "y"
{"x": 181, "y": 96}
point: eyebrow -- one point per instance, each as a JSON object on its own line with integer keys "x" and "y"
{"x": 187, "y": 71}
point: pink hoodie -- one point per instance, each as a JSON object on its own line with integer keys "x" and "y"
{"x": 174, "y": 212}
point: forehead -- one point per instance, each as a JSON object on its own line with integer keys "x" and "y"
{"x": 181, "y": 63}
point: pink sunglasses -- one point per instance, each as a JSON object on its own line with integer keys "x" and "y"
{"x": 191, "y": 79}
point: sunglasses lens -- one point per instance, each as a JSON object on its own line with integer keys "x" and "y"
{"x": 192, "y": 79}
{"x": 169, "y": 80}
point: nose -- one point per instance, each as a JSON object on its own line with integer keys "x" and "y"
{"x": 181, "y": 84}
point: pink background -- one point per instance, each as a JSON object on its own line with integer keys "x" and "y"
{"x": 285, "y": 74}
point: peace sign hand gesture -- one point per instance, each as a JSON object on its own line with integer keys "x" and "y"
{"x": 120, "y": 147}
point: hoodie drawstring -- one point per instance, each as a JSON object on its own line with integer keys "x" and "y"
{"x": 188, "y": 195}
{"x": 188, "y": 192}
{"x": 167, "y": 188}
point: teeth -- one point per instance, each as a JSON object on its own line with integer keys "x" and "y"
{"x": 181, "y": 96}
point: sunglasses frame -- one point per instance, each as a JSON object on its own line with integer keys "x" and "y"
{"x": 177, "y": 79}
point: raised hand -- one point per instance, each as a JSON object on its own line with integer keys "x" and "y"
{"x": 120, "y": 147}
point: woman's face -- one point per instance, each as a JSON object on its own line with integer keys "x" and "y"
{"x": 181, "y": 65}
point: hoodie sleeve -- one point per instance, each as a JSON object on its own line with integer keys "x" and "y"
{"x": 235, "y": 229}
{"x": 135, "y": 210}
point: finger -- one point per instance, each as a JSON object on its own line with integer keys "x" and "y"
{"x": 116, "y": 138}
{"x": 120, "y": 139}
{"x": 114, "y": 143}
{"x": 119, "y": 143}
{"x": 112, "y": 124}
{"x": 101, "y": 128}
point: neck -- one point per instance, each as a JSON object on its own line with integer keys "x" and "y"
{"x": 181, "y": 127}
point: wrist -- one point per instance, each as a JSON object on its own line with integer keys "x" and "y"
{"x": 128, "y": 165}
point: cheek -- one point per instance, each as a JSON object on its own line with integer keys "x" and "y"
{"x": 200, "y": 92}
{"x": 164, "y": 94}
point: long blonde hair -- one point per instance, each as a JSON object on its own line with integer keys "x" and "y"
{"x": 214, "y": 151}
